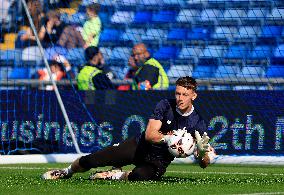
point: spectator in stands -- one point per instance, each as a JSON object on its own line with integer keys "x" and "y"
{"x": 92, "y": 27}
{"x": 91, "y": 76}
{"x": 27, "y": 38}
{"x": 150, "y": 73}
{"x": 71, "y": 38}
{"x": 130, "y": 74}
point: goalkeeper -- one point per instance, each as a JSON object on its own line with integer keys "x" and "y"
{"x": 149, "y": 151}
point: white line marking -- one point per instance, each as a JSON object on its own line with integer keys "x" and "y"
{"x": 182, "y": 172}
{"x": 261, "y": 193}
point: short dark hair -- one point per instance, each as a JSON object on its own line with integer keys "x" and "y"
{"x": 187, "y": 82}
{"x": 95, "y": 7}
{"x": 90, "y": 52}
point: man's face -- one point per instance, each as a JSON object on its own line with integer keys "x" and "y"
{"x": 184, "y": 98}
{"x": 138, "y": 54}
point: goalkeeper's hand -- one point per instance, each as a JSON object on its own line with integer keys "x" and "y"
{"x": 202, "y": 143}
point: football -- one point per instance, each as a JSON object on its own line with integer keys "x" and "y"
{"x": 181, "y": 146}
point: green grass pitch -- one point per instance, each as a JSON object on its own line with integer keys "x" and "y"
{"x": 179, "y": 179}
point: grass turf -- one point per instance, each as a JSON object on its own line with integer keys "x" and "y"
{"x": 179, "y": 179}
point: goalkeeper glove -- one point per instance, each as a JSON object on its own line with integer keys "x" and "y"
{"x": 202, "y": 143}
{"x": 166, "y": 139}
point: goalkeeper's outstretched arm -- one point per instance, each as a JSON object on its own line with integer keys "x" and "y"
{"x": 152, "y": 133}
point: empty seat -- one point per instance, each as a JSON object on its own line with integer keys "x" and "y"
{"x": 236, "y": 54}
{"x": 76, "y": 56}
{"x": 177, "y": 71}
{"x": 106, "y": 51}
{"x": 179, "y": 3}
{"x": 128, "y": 2}
{"x": 122, "y": 17}
{"x": 256, "y": 14}
{"x": 271, "y": 31}
{"x": 19, "y": 73}
{"x": 204, "y": 71}
{"x": 142, "y": 17}
{"x": 187, "y": 15}
{"x": 189, "y": 52}
{"x": 164, "y": 16}
{"x": 247, "y": 34}
{"x": 209, "y": 15}
{"x": 276, "y": 16}
{"x": 198, "y": 33}
{"x": 225, "y": 33}
{"x": 166, "y": 53}
{"x": 177, "y": 34}
{"x": 232, "y": 16}
{"x": 11, "y": 57}
{"x": 279, "y": 51}
{"x": 227, "y": 71}
{"x": 251, "y": 72}
{"x": 275, "y": 71}
{"x": 110, "y": 37}
{"x": 261, "y": 52}
{"x": 120, "y": 53}
{"x": 212, "y": 51}
{"x": 133, "y": 35}
{"x": 154, "y": 36}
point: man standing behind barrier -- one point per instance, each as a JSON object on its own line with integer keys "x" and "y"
{"x": 91, "y": 76}
{"x": 150, "y": 73}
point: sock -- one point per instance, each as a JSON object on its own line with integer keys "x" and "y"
{"x": 68, "y": 170}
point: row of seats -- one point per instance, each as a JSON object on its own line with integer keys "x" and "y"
{"x": 174, "y": 71}
{"x": 193, "y": 16}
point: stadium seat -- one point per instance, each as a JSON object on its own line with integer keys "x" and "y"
{"x": 209, "y": 16}
{"x": 236, "y": 54}
{"x": 151, "y": 3}
{"x": 232, "y": 17}
{"x": 166, "y": 53}
{"x": 251, "y": 72}
{"x": 164, "y": 17}
{"x": 261, "y": 52}
{"x": 279, "y": 51}
{"x": 78, "y": 18}
{"x": 19, "y": 73}
{"x": 198, "y": 33}
{"x": 224, "y": 34}
{"x": 204, "y": 71}
{"x": 275, "y": 71}
{"x": 227, "y": 71}
{"x": 247, "y": 34}
{"x": 176, "y": 3}
{"x": 154, "y": 36}
{"x": 188, "y": 53}
{"x": 31, "y": 54}
{"x": 11, "y": 57}
{"x": 177, "y": 34}
{"x": 255, "y": 16}
{"x": 187, "y": 15}
{"x": 133, "y": 34}
{"x": 142, "y": 17}
{"x": 119, "y": 71}
{"x": 213, "y": 51}
{"x": 120, "y": 54}
{"x": 76, "y": 56}
{"x": 110, "y": 37}
{"x": 276, "y": 16}
{"x": 105, "y": 16}
{"x": 52, "y": 51}
{"x": 122, "y": 17}
{"x": 106, "y": 53}
{"x": 124, "y": 3}
{"x": 271, "y": 31}
{"x": 177, "y": 71}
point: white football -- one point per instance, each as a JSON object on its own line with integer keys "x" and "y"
{"x": 181, "y": 146}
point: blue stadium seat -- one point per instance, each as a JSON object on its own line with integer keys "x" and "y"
{"x": 76, "y": 56}
{"x": 189, "y": 52}
{"x": 209, "y": 16}
{"x": 151, "y": 3}
{"x": 142, "y": 17}
{"x": 279, "y": 51}
{"x": 176, "y": 3}
{"x": 164, "y": 17}
{"x": 120, "y": 54}
{"x": 133, "y": 34}
{"x": 204, "y": 71}
{"x": 177, "y": 34}
{"x": 276, "y": 16}
{"x": 252, "y": 72}
{"x": 106, "y": 51}
{"x": 124, "y": 3}
{"x": 105, "y": 16}
{"x": 224, "y": 34}
{"x": 122, "y": 17}
{"x": 213, "y": 51}
{"x": 227, "y": 71}
{"x": 237, "y": 52}
{"x": 247, "y": 34}
{"x": 275, "y": 71}
{"x": 19, "y": 73}
{"x": 11, "y": 57}
{"x": 110, "y": 37}
{"x": 199, "y": 33}
{"x": 232, "y": 16}
{"x": 187, "y": 15}
{"x": 31, "y": 54}
{"x": 78, "y": 18}
{"x": 261, "y": 52}
{"x": 177, "y": 71}
{"x": 52, "y": 51}
{"x": 271, "y": 31}
{"x": 256, "y": 15}
{"x": 154, "y": 36}
{"x": 166, "y": 53}
{"x": 119, "y": 71}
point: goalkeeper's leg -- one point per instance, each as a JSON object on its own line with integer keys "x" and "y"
{"x": 117, "y": 156}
